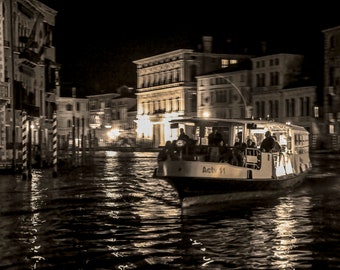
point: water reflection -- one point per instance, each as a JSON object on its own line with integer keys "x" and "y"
{"x": 113, "y": 215}
{"x": 128, "y": 203}
{"x": 275, "y": 233}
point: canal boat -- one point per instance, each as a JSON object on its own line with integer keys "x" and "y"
{"x": 237, "y": 165}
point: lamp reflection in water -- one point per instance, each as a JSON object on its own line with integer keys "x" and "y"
{"x": 290, "y": 231}
{"x": 130, "y": 208}
{"x": 32, "y": 225}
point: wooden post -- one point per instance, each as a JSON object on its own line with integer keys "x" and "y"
{"x": 24, "y": 145}
{"x": 74, "y": 161}
{"x": 55, "y": 145}
{"x": 29, "y": 151}
{"x": 83, "y": 141}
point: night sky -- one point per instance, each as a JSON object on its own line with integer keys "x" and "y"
{"x": 97, "y": 41}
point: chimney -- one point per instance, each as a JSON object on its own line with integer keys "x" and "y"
{"x": 74, "y": 92}
{"x": 207, "y": 44}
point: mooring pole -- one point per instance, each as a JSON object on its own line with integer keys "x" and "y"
{"x": 83, "y": 140}
{"x": 55, "y": 145}
{"x": 74, "y": 158}
{"x": 29, "y": 150}
{"x": 24, "y": 145}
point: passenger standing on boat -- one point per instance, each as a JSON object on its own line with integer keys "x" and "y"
{"x": 250, "y": 143}
{"x": 215, "y": 138}
{"x": 268, "y": 142}
{"x": 182, "y": 135}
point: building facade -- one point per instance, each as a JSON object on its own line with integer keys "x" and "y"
{"x": 167, "y": 89}
{"x": 271, "y": 74}
{"x": 112, "y": 118}
{"x": 225, "y": 93}
{"x": 331, "y": 89}
{"x": 28, "y": 73}
{"x": 72, "y": 122}
{"x": 280, "y": 92}
{"x": 269, "y": 88}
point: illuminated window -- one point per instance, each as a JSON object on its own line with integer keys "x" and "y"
{"x": 224, "y": 63}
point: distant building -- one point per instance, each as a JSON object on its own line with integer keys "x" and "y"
{"x": 112, "y": 117}
{"x": 72, "y": 121}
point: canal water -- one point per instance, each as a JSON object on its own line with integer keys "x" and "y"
{"x": 114, "y": 215}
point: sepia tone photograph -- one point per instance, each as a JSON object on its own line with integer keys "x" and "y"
{"x": 180, "y": 135}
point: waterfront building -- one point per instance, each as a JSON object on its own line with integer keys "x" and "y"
{"x": 331, "y": 87}
{"x": 281, "y": 92}
{"x": 28, "y": 74}
{"x": 111, "y": 117}
{"x": 225, "y": 93}
{"x": 72, "y": 121}
{"x": 167, "y": 88}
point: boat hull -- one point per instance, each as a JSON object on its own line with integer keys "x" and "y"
{"x": 192, "y": 186}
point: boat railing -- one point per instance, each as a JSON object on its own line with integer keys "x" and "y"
{"x": 235, "y": 155}
{"x": 253, "y": 158}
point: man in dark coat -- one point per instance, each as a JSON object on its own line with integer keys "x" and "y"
{"x": 268, "y": 143}
{"x": 215, "y": 138}
{"x": 182, "y": 135}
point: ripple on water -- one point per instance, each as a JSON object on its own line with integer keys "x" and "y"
{"x": 114, "y": 215}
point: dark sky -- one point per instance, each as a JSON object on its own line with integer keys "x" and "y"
{"x": 96, "y": 41}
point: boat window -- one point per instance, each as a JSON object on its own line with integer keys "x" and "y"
{"x": 191, "y": 132}
{"x": 201, "y": 134}
{"x": 289, "y": 143}
{"x": 225, "y": 131}
{"x": 282, "y": 139}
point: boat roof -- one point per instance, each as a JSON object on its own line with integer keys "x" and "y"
{"x": 271, "y": 124}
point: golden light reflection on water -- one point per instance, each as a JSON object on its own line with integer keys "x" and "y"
{"x": 287, "y": 240}
{"x": 275, "y": 235}
{"x": 35, "y": 222}
{"x": 117, "y": 211}
{"x": 138, "y": 195}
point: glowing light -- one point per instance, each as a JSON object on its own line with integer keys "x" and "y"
{"x": 113, "y": 133}
{"x": 206, "y": 114}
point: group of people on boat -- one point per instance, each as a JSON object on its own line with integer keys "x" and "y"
{"x": 217, "y": 150}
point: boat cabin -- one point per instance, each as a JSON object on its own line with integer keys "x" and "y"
{"x": 239, "y": 140}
